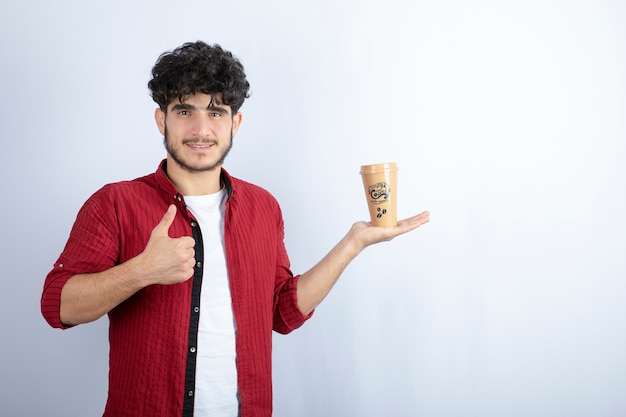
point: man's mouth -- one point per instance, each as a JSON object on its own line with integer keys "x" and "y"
{"x": 199, "y": 145}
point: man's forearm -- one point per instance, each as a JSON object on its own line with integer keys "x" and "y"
{"x": 315, "y": 284}
{"x": 87, "y": 297}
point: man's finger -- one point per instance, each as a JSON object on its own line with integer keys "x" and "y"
{"x": 168, "y": 218}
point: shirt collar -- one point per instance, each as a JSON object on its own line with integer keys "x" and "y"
{"x": 166, "y": 184}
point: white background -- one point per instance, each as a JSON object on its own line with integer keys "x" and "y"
{"x": 506, "y": 119}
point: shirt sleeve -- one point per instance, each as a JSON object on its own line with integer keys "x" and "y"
{"x": 91, "y": 247}
{"x": 287, "y": 315}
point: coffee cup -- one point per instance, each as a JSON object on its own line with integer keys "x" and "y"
{"x": 380, "y": 182}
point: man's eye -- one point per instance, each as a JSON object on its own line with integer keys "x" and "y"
{"x": 184, "y": 112}
{"x": 216, "y": 114}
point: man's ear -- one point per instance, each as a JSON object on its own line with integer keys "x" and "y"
{"x": 237, "y": 118}
{"x": 159, "y": 117}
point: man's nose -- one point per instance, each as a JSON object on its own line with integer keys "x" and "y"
{"x": 201, "y": 126}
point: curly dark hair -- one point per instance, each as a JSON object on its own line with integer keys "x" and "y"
{"x": 198, "y": 67}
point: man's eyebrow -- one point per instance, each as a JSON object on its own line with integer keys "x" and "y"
{"x": 219, "y": 109}
{"x": 183, "y": 106}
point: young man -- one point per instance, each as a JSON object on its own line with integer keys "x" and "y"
{"x": 189, "y": 262}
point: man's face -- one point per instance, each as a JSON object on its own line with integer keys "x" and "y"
{"x": 198, "y": 131}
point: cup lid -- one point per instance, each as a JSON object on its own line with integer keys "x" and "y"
{"x": 373, "y": 168}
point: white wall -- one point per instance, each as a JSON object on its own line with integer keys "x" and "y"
{"x": 505, "y": 117}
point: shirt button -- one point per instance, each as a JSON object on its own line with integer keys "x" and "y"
{"x": 190, "y": 393}
{"x": 194, "y": 224}
{"x": 196, "y": 309}
{"x": 192, "y": 349}
{"x": 199, "y": 264}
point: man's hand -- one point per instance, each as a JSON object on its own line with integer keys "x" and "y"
{"x": 167, "y": 260}
{"x": 363, "y": 234}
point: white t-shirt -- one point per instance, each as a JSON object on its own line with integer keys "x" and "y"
{"x": 216, "y": 371}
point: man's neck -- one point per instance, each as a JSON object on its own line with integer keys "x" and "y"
{"x": 194, "y": 183}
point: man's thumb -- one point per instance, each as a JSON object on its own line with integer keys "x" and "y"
{"x": 167, "y": 220}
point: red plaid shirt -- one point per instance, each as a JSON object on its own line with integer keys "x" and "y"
{"x": 153, "y": 334}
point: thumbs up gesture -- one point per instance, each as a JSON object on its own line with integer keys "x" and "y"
{"x": 168, "y": 260}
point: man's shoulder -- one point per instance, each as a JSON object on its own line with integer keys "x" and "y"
{"x": 253, "y": 197}
{"x": 126, "y": 188}
{"x": 249, "y": 189}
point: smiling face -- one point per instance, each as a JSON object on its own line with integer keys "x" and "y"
{"x": 198, "y": 132}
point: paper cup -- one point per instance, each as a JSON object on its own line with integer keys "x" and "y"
{"x": 380, "y": 182}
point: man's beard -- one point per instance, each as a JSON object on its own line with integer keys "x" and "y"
{"x": 172, "y": 152}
